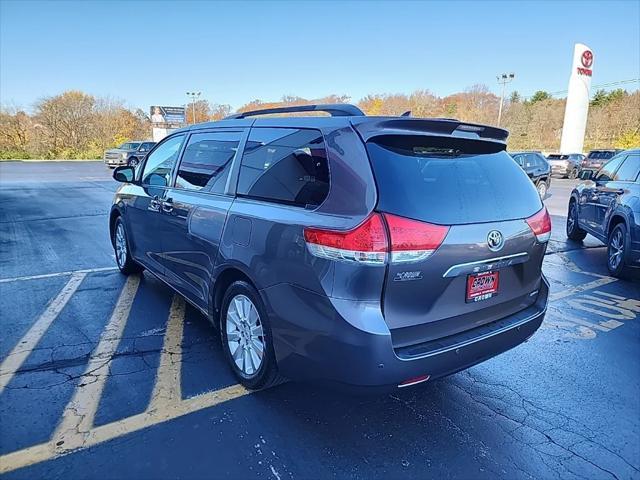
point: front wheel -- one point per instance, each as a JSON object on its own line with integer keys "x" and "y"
{"x": 542, "y": 189}
{"x": 133, "y": 162}
{"x": 617, "y": 250}
{"x": 246, "y": 337}
{"x": 126, "y": 263}
{"x": 574, "y": 232}
{"x": 574, "y": 174}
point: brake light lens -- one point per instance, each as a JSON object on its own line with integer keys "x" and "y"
{"x": 367, "y": 243}
{"x": 413, "y": 241}
{"x": 540, "y": 224}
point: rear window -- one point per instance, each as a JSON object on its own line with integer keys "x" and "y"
{"x": 450, "y": 181}
{"x": 557, "y": 157}
{"x": 600, "y": 155}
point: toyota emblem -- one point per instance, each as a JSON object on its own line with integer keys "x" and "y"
{"x": 495, "y": 240}
{"x": 587, "y": 58}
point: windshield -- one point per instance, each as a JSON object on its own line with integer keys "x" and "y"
{"x": 600, "y": 155}
{"x": 129, "y": 146}
{"x": 449, "y": 181}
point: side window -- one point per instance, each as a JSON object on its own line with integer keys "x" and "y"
{"x": 530, "y": 160}
{"x": 157, "y": 168}
{"x": 629, "y": 170}
{"x": 519, "y": 160}
{"x": 286, "y": 166}
{"x": 145, "y": 147}
{"x": 206, "y": 161}
{"x": 605, "y": 174}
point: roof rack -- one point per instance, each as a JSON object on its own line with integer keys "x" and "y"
{"x": 334, "y": 109}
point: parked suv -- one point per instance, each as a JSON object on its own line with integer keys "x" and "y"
{"x": 597, "y": 158}
{"x": 129, "y": 153}
{"x": 537, "y": 168}
{"x": 354, "y": 250}
{"x": 565, "y": 165}
{"x": 607, "y": 205}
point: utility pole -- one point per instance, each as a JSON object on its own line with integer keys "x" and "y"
{"x": 503, "y": 79}
{"x": 193, "y": 96}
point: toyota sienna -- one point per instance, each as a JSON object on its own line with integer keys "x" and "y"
{"x": 344, "y": 249}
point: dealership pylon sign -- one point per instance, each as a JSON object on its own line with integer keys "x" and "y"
{"x": 575, "y": 114}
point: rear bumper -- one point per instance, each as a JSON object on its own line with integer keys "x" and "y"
{"x": 347, "y": 343}
{"x": 561, "y": 169}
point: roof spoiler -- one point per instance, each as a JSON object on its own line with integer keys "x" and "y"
{"x": 369, "y": 127}
{"x": 334, "y": 109}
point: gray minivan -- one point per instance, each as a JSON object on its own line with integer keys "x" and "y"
{"x": 345, "y": 249}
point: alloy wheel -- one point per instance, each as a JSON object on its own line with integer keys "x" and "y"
{"x": 121, "y": 245}
{"x": 571, "y": 218}
{"x": 245, "y": 335}
{"x": 542, "y": 189}
{"x": 616, "y": 249}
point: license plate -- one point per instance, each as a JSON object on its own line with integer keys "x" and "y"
{"x": 482, "y": 286}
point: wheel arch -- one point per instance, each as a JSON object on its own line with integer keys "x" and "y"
{"x": 616, "y": 219}
{"x": 113, "y": 215}
{"x": 224, "y": 278}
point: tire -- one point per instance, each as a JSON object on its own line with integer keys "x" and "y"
{"x": 120, "y": 242}
{"x": 133, "y": 162}
{"x": 574, "y": 232}
{"x": 574, "y": 174}
{"x": 542, "y": 189}
{"x": 245, "y": 332}
{"x": 617, "y": 249}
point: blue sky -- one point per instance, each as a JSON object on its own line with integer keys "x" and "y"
{"x": 153, "y": 52}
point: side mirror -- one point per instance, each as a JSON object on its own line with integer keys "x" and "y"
{"x": 124, "y": 174}
{"x": 586, "y": 175}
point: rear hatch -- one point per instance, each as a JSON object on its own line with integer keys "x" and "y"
{"x": 479, "y": 210}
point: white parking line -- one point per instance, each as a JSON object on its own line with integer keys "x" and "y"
{"x": 78, "y": 416}
{"x": 57, "y": 274}
{"x": 21, "y": 351}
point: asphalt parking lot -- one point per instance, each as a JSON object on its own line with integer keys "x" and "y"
{"x": 108, "y": 377}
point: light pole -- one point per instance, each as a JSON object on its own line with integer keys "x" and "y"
{"x": 503, "y": 79}
{"x": 193, "y": 96}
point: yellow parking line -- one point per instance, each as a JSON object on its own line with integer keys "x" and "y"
{"x": 21, "y": 351}
{"x": 47, "y": 451}
{"x": 78, "y": 416}
{"x": 581, "y": 288}
{"x": 167, "y": 390}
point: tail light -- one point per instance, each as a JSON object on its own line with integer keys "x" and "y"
{"x": 540, "y": 224}
{"x": 412, "y": 241}
{"x": 406, "y": 241}
{"x": 367, "y": 243}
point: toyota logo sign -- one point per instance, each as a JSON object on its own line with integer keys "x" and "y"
{"x": 495, "y": 240}
{"x": 587, "y": 58}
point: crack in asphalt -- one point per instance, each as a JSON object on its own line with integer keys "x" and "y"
{"x": 527, "y": 405}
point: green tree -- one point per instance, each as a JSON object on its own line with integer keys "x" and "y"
{"x": 515, "y": 97}
{"x": 539, "y": 96}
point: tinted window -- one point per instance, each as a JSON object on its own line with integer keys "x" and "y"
{"x": 286, "y": 166}
{"x": 600, "y": 155}
{"x": 629, "y": 170}
{"x": 206, "y": 161}
{"x": 129, "y": 146}
{"x": 605, "y": 174}
{"x": 145, "y": 147}
{"x": 557, "y": 156}
{"x": 160, "y": 162}
{"x": 426, "y": 179}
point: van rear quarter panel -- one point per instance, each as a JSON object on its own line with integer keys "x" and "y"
{"x": 275, "y": 251}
